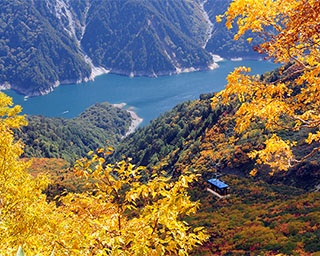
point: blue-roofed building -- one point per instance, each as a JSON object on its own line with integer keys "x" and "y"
{"x": 218, "y": 188}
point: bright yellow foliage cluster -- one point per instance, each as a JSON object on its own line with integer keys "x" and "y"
{"x": 291, "y": 33}
{"x": 23, "y": 208}
{"x": 127, "y": 212}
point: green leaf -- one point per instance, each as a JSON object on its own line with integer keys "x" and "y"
{"x": 20, "y": 252}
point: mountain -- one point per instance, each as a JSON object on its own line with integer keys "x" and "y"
{"x": 146, "y": 37}
{"x": 71, "y": 139}
{"x": 44, "y": 43}
{"x": 194, "y": 136}
{"x": 36, "y": 54}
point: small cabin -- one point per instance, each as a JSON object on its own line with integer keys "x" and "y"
{"x": 218, "y": 188}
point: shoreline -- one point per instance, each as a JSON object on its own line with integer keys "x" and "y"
{"x": 136, "y": 120}
{"x": 98, "y": 71}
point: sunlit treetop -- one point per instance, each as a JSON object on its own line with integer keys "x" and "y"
{"x": 291, "y": 36}
{"x": 290, "y": 29}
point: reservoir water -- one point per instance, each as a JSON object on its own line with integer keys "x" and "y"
{"x": 148, "y": 97}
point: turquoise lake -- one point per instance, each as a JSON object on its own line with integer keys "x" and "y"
{"x": 149, "y": 97}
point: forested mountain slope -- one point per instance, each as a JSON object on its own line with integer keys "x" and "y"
{"x": 47, "y": 42}
{"x": 195, "y": 135}
{"x": 70, "y": 139}
{"x": 146, "y": 37}
{"x": 36, "y": 54}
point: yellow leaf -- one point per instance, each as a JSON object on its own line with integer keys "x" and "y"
{"x": 219, "y": 18}
{"x": 253, "y": 172}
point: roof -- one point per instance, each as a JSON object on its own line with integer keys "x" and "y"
{"x": 218, "y": 183}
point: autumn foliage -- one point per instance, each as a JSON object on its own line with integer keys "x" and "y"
{"x": 24, "y": 212}
{"x": 290, "y": 30}
{"x": 124, "y": 211}
{"x": 129, "y": 213}
{"x": 260, "y": 219}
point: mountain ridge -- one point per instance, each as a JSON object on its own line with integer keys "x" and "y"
{"x": 48, "y": 43}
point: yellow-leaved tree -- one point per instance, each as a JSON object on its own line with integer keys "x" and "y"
{"x": 129, "y": 212}
{"x": 124, "y": 212}
{"x": 24, "y": 213}
{"x": 291, "y": 34}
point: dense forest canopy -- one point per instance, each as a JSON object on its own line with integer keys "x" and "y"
{"x": 71, "y": 139}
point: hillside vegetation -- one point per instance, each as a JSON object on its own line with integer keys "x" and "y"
{"x": 259, "y": 219}
{"x": 36, "y": 52}
{"x": 70, "y": 139}
{"x": 193, "y": 135}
